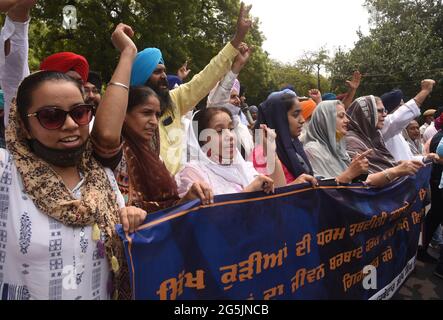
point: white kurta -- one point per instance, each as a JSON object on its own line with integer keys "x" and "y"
{"x": 392, "y": 131}
{"x": 219, "y": 183}
{"x": 14, "y": 67}
{"x": 41, "y": 258}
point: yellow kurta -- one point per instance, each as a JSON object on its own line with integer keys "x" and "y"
{"x": 185, "y": 99}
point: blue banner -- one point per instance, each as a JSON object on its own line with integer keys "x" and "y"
{"x": 331, "y": 242}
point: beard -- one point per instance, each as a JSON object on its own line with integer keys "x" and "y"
{"x": 165, "y": 100}
{"x": 92, "y": 101}
{"x": 163, "y": 94}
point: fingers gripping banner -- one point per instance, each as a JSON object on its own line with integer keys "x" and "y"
{"x": 331, "y": 242}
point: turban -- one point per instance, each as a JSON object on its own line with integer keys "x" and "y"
{"x": 253, "y": 109}
{"x": 307, "y": 108}
{"x": 329, "y": 97}
{"x": 288, "y": 87}
{"x": 96, "y": 80}
{"x": 144, "y": 65}
{"x": 392, "y": 100}
{"x": 283, "y": 92}
{"x": 174, "y": 82}
{"x": 429, "y": 113}
{"x": 65, "y": 62}
{"x": 212, "y": 103}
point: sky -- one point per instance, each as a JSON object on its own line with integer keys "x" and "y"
{"x": 292, "y": 27}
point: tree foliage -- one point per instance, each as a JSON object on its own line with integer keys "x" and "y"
{"x": 301, "y": 79}
{"x": 405, "y": 45}
{"x": 192, "y": 30}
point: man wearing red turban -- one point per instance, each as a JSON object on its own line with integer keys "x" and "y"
{"x": 72, "y": 64}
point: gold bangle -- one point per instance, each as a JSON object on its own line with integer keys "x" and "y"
{"x": 118, "y": 84}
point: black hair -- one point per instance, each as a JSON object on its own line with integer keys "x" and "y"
{"x": 166, "y": 103}
{"x": 139, "y": 95}
{"x": 32, "y": 83}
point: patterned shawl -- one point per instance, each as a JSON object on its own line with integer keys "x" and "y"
{"x": 97, "y": 207}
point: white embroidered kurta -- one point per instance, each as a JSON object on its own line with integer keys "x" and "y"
{"x": 41, "y": 258}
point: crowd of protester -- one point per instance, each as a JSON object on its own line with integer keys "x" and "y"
{"x": 79, "y": 157}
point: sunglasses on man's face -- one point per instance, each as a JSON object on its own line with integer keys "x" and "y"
{"x": 53, "y": 118}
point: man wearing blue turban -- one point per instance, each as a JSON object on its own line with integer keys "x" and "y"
{"x": 149, "y": 70}
{"x": 144, "y": 65}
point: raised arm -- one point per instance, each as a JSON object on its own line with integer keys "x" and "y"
{"x": 188, "y": 95}
{"x": 183, "y": 72}
{"x": 397, "y": 121}
{"x": 111, "y": 113}
{"x": 14, "y": 49}
{"x": 6, "y": 5}
{"x": 222, "y": 93}
{"x": 426, "y": 88}
{"x": 315, "y": 95}
{"x": 352, "y": 85}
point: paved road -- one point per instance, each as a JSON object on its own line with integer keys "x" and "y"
{"x": 422, "y": 284}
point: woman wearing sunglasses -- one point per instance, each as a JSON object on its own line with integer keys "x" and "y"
{"x": 367, "y": 117}
{"x": 325, "y": 139}
{"x": 58, "y": 205}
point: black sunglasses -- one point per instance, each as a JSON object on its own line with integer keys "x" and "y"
{"x": 53, "y": 118}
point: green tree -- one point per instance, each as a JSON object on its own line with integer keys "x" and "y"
{"x": 405, "y": 45}
{"x": 301, "y": 79}
{"x": 193, "y": 30}
{"x": 313, "y": 62}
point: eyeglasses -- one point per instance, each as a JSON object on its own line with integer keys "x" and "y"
{"x": 382, "y": 111}
{"x": 53, "y": 118}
